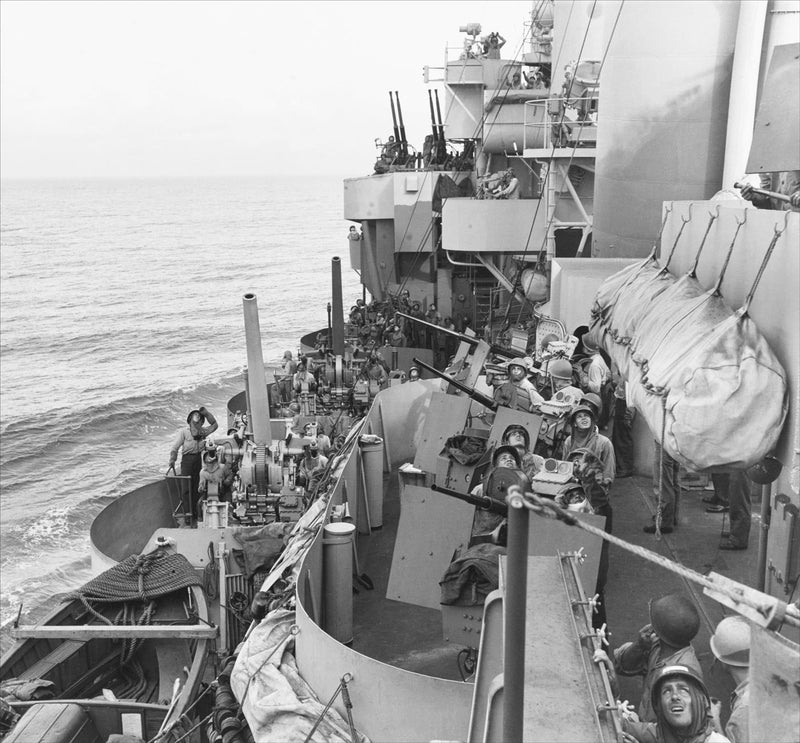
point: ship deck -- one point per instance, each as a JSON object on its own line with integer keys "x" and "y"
{"x": 410, "y": 636}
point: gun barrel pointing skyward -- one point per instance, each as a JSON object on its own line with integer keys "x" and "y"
{"x": 466, "y": 389}
{"x": 471, "y": 339}
{"x": 433, "y": 117}
{"x": 394, "y": 119}
{"x": 442, "y": 144}
{"x": 403, "y": 140}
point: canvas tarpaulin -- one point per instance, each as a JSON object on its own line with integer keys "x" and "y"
{"x": 705, "y": 379}
{"x": 277, "y": 703}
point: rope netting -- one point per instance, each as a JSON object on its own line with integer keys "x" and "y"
{"x": 140, "y": 578}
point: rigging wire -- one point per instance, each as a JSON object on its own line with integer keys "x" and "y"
{"x": 542, "y": 250}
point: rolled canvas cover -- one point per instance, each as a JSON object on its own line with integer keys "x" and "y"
{"x": 696, "y": 370}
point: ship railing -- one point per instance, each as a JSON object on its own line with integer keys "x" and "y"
{"x": 561, "y": 111}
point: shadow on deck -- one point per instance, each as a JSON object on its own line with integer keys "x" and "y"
{"x": 411, "y": 637}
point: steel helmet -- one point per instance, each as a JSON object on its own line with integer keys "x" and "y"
{"x": 588, "y": 409}
{"x": 517, "y": 428}
{"x": 518, "y": 362}
{"x": 512, "y": 450}
{"x": 670, "y": 671}
{"x": 560, "y": 369}
{"x": 590, "y": 342}
{"x": 593, "y": 400}
{"x": 730, "y": 642}
{"x": 675, "y": 619}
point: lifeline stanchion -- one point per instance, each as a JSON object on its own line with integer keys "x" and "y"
{"x": 514, "y": 599}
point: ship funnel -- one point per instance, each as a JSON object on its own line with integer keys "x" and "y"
{"x": 337, "y": 311}
{"x": 258, "y": 397}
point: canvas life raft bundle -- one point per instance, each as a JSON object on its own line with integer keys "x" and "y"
{"x": 707, "y": 382}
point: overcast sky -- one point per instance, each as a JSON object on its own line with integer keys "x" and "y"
{"x": 151, "y": 88}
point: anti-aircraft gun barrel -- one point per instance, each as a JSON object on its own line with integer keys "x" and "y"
{"x": 257, "y": 394}
{"x": 403, "y": 140}
{"x": 481, "y": 501}
{"x": 394, "y": 121}
{"x": 764, "y": 192}
{"x": 472, "y": 340}
{"x": 466, "y": 389}
{"x": 433, "y": 117}
{"x": 442, "y": 145}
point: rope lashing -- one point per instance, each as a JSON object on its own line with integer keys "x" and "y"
{"x": 339, "y": 689}
{"x": 749, "y": 298}
{"x": 718, "y": 285}
{"x": 713, "y": 218}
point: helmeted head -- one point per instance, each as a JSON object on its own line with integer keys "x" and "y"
{"x": 413, "y": 373}
{"x": 288, "y": 354}
{"x": 730, "y": 642}
{"x": 675, "y": 619}
{"x": 196, "y": 417}
{"x": 574, "y": 499}
{"x": 506, "y": 456}
{"x": 590, "y": 343}
{"x": 547, "y": 340}
{"x": 593, "y": 401}
{"x": 560, "y": 371}
{"x": 517, "y": 369}
{"x": 680, "y": 701}
{"x": 517, "y": 436}
{"x": 210, "y": 455}
{"x": 582, "y": 418}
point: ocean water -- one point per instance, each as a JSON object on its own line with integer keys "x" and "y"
{"x": 121, "y": 310}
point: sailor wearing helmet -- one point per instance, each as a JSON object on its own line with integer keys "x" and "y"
{"x": 191, "y": 442}
{"x": 683, "y": 710}
{"x": 665, "y": 641}
{"x": 509, "y": 186}
{"x": 527, "y": 397}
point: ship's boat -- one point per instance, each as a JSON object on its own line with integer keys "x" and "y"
{"x": 125, "y": 654}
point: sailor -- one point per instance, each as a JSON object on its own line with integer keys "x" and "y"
{"x": 559, "y": 376}
{"x": 682, "y": 710}
{"x": 526, "y": 395}
{"x": 517, "y": 435}
{"x": 396, "y": 337}
{"x": 622, "y": 431}
{"x": 516, "y": 82}
{"x": 667, "y": 490}
{"x": 353, "y": 234}
{"x": 390, "y": 150}
{"x": 732, "y": 493}
{"x": 509, "y": 186}
{"x": 321, "y": 439}
{"x": 312, "y": 467}
{"x": 303, "y": 379}
{"x": 375, "y": 371}
{"x": 191, "y": 442}
{"x": 413, "y": 374}
{"x": 599, "y": 376}
{"x": 289, "y": 366}
{"x": 595, "y": 470}
{"x": 785, "y": 182}
{"x": 665, "y": 641}
{"x": 491, "y": 47}
{"x": 486, "y": 522}
{"x": 214, "y": 471}
{"x": 730, "y": 644}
